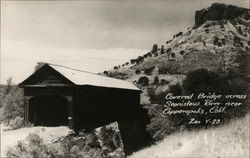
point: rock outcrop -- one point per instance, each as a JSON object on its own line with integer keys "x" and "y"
{"x": 219, "y": 11}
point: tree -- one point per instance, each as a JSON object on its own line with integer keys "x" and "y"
{"x": 202, "y": 80}
{"x": 155, "y": 48}
{"x": 39, "y": 65}
{"x": 172, "y": 55}
{"x": 143, "y": 81}
{"x": 12, "y": 102}
{"x": 132, "y": 61}
{"x": 137, "y": 72}
{"x": 162, "y": 49}
{"x": 9, "y": 84}
{"x": 156, "y": 80}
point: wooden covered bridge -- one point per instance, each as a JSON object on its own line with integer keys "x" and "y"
{"x": 56, "y": 95}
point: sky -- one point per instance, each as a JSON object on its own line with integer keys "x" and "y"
{"x": 89, "y": 35}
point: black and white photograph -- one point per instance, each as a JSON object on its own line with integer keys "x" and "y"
{"x": 125, "y": 79}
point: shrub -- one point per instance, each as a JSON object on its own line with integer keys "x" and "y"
{"x": 137, "y": 72}
{"x": 39, "y": 65}
{"x": 223, "y": 41}
{"x": 143, "y": 81}
{"x": 175, "y": 89}
{"x": 168, "y": 50}
{"x": 155, "y": 48}
{"x": 170, "y": 67}
{"x": 132, "y": 61}
{"x": 216, "y": 40}
{"x": 34, "y": 148}
{"x": 162, "y": 49}
{"x": 197, "y": 81}
{"x": 118, "y": 75}
{"x": 106, "y": 72}
{"x": 161, "y": 125}
{"x": 156, "y": 80}
{"x": 164, "y": 82}
{"x": 84, "y": 145}
{"x": 240, "y": 30}
{"x": 182, "y": 52}
{"x": 148, "y": 71}
{"x": 202, "y": 80}
{"x": 18, "y": 122}
{"x": 11, "y": 102}
{"x": 173, "y": 55}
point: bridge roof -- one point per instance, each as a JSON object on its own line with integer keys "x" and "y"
{"x": 80, "y": 77}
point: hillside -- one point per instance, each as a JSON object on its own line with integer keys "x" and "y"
{"x": 231, "y": 140}
{"x": 218, "y": 42}
{"x": 212, "y": 45}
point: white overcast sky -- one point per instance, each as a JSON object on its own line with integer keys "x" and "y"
{"x": 88, "y": 35}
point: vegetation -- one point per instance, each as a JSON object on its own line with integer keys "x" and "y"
{"x": 230, "y": 140}
{"x": 196, "y": 82}
{"x": 144, "y": 81}
{"x": 155, "y": 48}
{"x": 11, "y": 105}
{"x": 106, "y": 143}
{"x": 118, "y": 75}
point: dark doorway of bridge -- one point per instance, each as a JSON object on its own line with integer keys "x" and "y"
{"x": 48, "y": 110}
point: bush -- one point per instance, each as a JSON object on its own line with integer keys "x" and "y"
{"x": 164, "y": 82}
{"x": 182, "y": 52}
{"x": 132, "y": 61}
{"x": 118, "y": 75}
{"x": 137, "y": 72}
{"x": 173, "y": 55}
{"x": 144, "y": 81}
{"x": 202, "y": 80}
{"x": 161, "y": 125}
{"x": 198, "y": 81}
{"x": 170, "y": 67}
{"x": 84, "y": 145}
{"x": 34, "y": 148}
{"x": 155, "y": 48}
{"x": 156, "y": 80}
{"x": 175, "y": 89}
{"x": 18, "y": 122}
{"x": 11, "y": 102}
{"x": 148, "y": 71}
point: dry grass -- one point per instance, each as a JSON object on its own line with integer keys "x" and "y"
{"x": 231, "y": 140}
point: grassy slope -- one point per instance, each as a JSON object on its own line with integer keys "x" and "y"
{"x": 231, "y": 140}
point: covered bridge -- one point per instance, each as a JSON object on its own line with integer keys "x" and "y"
{"x": 56, "y": 95}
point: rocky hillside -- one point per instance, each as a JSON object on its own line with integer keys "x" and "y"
{"x": 220, "y": 12}
{"x": 219, "y": 42}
